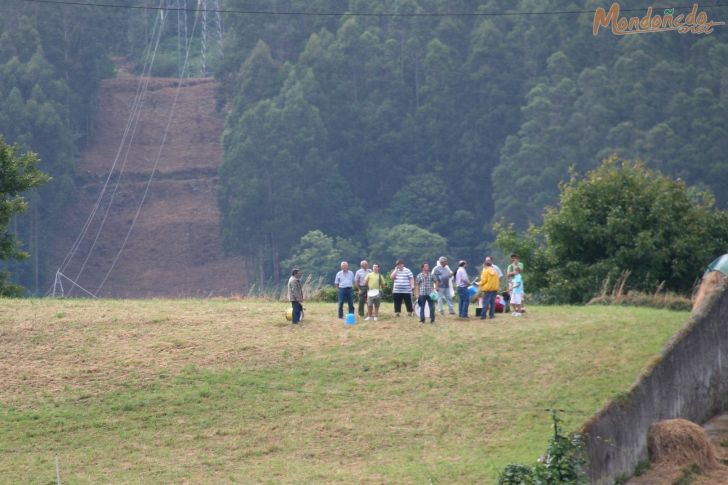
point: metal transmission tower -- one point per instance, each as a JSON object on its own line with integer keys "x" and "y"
{"x": 180, "y": 6}
{"x": 211, "y": 34}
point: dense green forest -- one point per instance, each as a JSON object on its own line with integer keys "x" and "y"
{"x": 357, "y": 125}
{"x": 52, "y": 60}
{"x": 51, "y": 63}
{"x": 367, "y": 135}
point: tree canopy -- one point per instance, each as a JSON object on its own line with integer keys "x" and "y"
{"x": 621, "y": 216}
{"x": 52, "y": 61}
{"x": 355, "y": 124}
{"x": 18, "y": 174}
{"x": 450, "y": 123}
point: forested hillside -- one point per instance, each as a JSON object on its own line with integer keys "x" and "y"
{"x": 49, "y": 62}
{"x": 358, "y": 124}
{"x": 52, "y": 61}
{"x": 377, "y": 128}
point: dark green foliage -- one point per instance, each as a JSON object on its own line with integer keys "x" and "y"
{"x": 620, "y": 217}
{"x": 564, "y": 460}
{"x": 387, "y": 92}
{"x": 447, "y": 122}
{"x": 277, "y": 183}
{"x": 562, "y": 464}
{"x": 52, "y": 61}
{"x": 317, "y": 254}
{"x": 328, "y": 294}
{"x": 651, "y": 97}
{"x": 409, "y": 242}
{"x": 688, "y": 475}
{"x": 516, "y": 474}
{"x": 642, "y": 467}
{"x": 18, "y": 174}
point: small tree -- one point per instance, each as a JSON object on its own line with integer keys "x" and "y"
{"x": 409, "y": 242}
{"x": 563, "y": 463}
{"x": 622, "y": 216}
{"x": 317, "y": 254}
{"x": 18, "y": 173}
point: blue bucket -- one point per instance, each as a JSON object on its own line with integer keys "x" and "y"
{"x": 350, "y": 319}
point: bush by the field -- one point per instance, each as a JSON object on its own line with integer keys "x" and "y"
{"x": 330, "y": 294}
{"x": 659, "y": 299}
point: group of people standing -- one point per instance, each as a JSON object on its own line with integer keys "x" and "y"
{"x": 488, "y": 286}
{"x": 427, "y": 287}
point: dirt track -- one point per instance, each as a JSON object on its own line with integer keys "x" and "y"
{"x": 174, "y": 248}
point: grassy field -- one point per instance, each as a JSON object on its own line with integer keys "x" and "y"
{"x": 226, "y": 391}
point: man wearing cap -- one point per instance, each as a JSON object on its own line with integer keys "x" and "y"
{"x": 360, "y": 278}
{"x": 442, "y": 274}
{"x": 295, "y": 294}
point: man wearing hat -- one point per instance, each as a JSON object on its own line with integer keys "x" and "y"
{"x": 295, "y": 294}
{"x": 442, "y": 274}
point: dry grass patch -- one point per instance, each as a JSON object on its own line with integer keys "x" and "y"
{"x": 210, "y": 391}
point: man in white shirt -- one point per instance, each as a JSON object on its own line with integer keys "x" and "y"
{"x": 344, "y": 282}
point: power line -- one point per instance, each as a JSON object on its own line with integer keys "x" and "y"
{"x": 127, "y": 138}
{"x": 180, "y": 82}
{"x": 131, "y": 124}
{"x": 293, "y": 13}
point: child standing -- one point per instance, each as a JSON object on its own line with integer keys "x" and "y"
{"x": 517, "y": 292}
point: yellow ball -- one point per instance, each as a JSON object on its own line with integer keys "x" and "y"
{"x": 289, "y": 314}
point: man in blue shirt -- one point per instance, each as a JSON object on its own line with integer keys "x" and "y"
{"x": 344, "y": 282}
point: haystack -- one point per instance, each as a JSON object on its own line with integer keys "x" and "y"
{"x": 679, "y": 442}
{"x": 712, "y": 282}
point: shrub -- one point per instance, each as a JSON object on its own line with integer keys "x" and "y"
{"x": 658, "y": 299}
{"x": 327, "y": 294}
{"x": 562, "y": 464}
{"x": 516, "y": 474}
{"x": 620, "y": 216}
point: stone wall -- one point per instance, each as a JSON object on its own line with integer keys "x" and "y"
{"x": 688, "y": 380}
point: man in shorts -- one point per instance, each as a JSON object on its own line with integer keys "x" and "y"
{"x": 517, "y": 292}
{"x": 375, "y": 285}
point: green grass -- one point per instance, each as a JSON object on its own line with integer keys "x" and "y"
{"x": 225, "y": 391}
{"x": 688, "y": 475}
